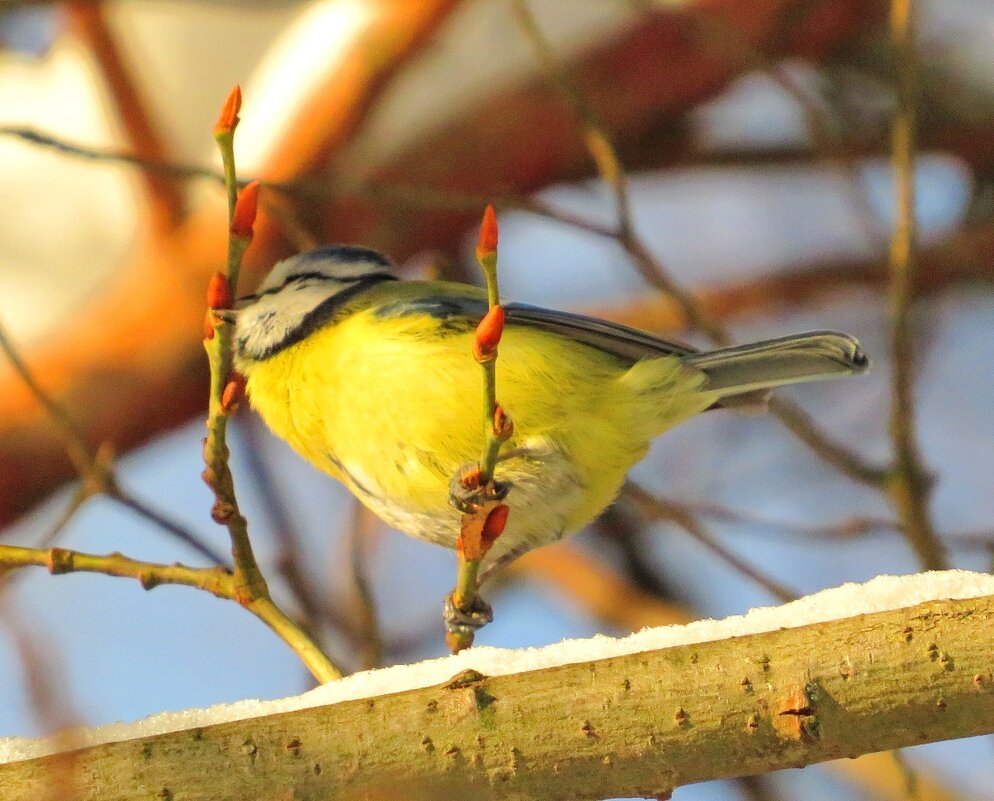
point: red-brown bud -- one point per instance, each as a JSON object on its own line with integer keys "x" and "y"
{"x": 219, "y": 292}
{"x": 470, "y": 478}
{"x": 228, "y": 118}
{"x": 503, "y": 425}
{"x": 494, "y": 526}
{"x": 488, "y": 334}
{"x": 487, "y": 244}
{"x": 245, "y": 210}
{"x": 234, "y": 392}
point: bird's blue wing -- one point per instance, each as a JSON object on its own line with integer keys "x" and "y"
{"x": 628, "y": 344}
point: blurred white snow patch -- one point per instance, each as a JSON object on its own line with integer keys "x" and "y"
{"x": 306, "y": 53}
{"x": 67, "y": 223}
{"x": 478, "y": 53}
{"x": 880, "y": 594}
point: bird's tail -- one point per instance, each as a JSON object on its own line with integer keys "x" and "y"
{"x": 749, "y": 370}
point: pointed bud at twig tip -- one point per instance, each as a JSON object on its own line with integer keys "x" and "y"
{"x": 245, "y": 210}
{"x": 488, "y": 233}
{"x": 228, "y": 118}
{"x": 234, "y": 393}
{"x": 488, "y": 334}
{"x": 219, "y": 292}
{"x": 494, "y": 526}
{"x": 208, "y": 326}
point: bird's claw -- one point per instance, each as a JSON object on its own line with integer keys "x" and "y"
{"x": 466, "y": 493}
{"x": 466, "y": 620}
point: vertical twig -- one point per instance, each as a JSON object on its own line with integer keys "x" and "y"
{"x": 475, "y": 492}
{"x": 609, "y": 166}
{"x": 908, "y": 483}
{"x": 367, "y": 629}
{"x": 288, "y": 554}
{"x": 250, "y": 587}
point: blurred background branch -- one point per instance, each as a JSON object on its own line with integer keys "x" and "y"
{"x": 744, "y": 145}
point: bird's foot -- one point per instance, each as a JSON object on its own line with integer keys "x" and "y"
{"x": 468, "y": 495}
{"x": 466, "y": 620}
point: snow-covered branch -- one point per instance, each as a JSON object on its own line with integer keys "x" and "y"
{"x": 850, "y": 671}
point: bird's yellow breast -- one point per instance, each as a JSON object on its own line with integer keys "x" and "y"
{"x": 392, "y": 406}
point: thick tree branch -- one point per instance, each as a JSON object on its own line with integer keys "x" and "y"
{"x": 636, "y": 725}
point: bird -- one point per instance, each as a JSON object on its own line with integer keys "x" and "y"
{"x": 372, "y": 380}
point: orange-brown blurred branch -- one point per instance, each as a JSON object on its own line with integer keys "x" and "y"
{"x": 599, "y": 591}
{"x": 165, "y": 193}
{"x": 124, "y": 388}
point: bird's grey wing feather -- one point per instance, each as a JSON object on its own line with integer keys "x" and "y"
{"x": 619, "y": 340}
{"x": 742, "y": 374}
{"x": 628, "y": 344}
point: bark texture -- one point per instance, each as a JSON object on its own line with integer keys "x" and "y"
{"x": 636, "y": 725}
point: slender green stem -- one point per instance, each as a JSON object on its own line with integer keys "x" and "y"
{"x": 491, "y": 444}
{"x": 215, "y": 580}
{"x": 309, "y": 652}
{"x": 466, "y": 582}
{"x": 249, "y": 585}
{"x": 59, "y": 561}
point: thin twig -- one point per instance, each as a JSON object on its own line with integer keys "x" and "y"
{"x": 59, "y": 561}
{"x": 165, "y": 523}
{"x": 165, "y": 195}
{"x": 909, "y": 482}
{"x": 649, "y": 267}
{"x": 595, "y": 135}
{"x": 250, "y": 586}
{"x": 95, "y": 467}
{"x": 79, "y": 452}
{"x": 657, "y": 508}
{"x": 475, "y": 492}
{"x": 79, "y": 497}
{"x": 108, "y": 156}
{"x": 288, "y": 557}
{"x": 215, "y": 580}
{"x": 849, "y": 528}
{"x": 367, "y": 628}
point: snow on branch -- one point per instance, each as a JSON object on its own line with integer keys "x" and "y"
{"x": 860, "y": 668}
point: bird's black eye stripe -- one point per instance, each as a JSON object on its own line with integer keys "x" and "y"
{"x": 320, "y": 315}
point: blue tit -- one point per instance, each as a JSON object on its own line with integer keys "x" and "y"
{"x": 372, "y": 380}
